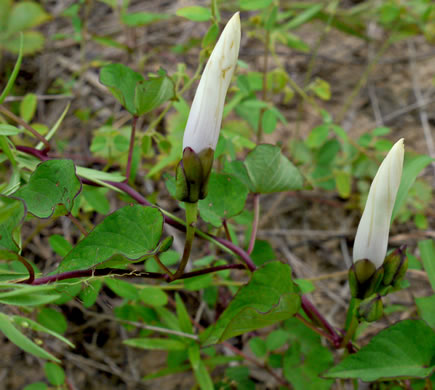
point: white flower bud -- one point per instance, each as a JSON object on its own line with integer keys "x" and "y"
{"x": 371, "y": 238}
{"x": 204, "y": 123}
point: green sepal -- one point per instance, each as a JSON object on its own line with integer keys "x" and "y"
{"x": 374, "y": 282}
{"x": 364, "y": 270}
{"x": 206, "y": 157}
{"x": 359, "y": 276}
{"x": 364, "y": 278}
{"x": 371, "y": 309}
{"x": 395, "y": 266}
{"x": 353, "y": 282}
{"x": 192, "y": 175}
{"x": 352, "y": 311}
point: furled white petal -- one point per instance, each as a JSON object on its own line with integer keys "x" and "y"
{"x": 372, "y": 235}
{"x": 204, "y": 123}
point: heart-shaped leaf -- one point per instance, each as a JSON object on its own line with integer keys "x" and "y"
{"x": 270, "y": 171}
{"x": 268, "y": 298}
{"x": 132, "y": 232}
{"x": 122, "y": 82}
{"x": 404, "y": 350}
{"x": 53, "y": 182}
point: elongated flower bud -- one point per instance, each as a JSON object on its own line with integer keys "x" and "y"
{"x": 372, "y": 235}
{"x": 204, "y": 123}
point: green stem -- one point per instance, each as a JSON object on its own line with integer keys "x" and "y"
{"x": 131, "y": 147}
{"x": 351, "y": 323}
{"x": 191, "y": 217}
{"x": 255, "y": 223}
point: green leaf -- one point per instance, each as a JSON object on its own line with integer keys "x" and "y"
{"x": 25, "y": 15}
{"x": 195, "y": 13}
{"x": 303, "y": 17}
{"x": 183, "y": 315}
{"x": 136, "y": 19}
{"x": 268, "y": 298}
{"x": 28, "y": 323}
{"x": 321, "y": 88}
{"x": 25, "y": 295}
{"x": 203, "y": 377}
{"x": 404, "y": 350}
{"x": 54, "y": 373}
{"x": 123, "y": 289}
{"x": 258, "y": 346}
{"x": 90, "y": 294}
{"x": 343, "y": 181}
{"x": 263, "y": 252}
{"x": 28, "y": 107}
{"x": 411, "y": 169}
{"x": 270, "y": 171}
{"x": 22, "y": 341}
{"x": 122, "y": 82}
{"x": 14, "y": 73}
{"x": 53, "y": 182}
{"x": 276, "y": 339}
{"x": 426, "y": 307}
{"x": 153, "y": 296}
{"x": 303, "y": 368}
{"x": 53, "y": 320}
{"x": 5, "y": 9}
{"x": 156, "y": 344}
{"x": 269, "y": 121}
{"x": 33, "y": 41}
{"x": 226, "y": 198}
{"x": 36, "y": 386}
{"x": 427, "y": 252}
{"x": 318, "y": 136}
{"x": 211, "y": 36}
{"x": 132, "y": 231}
{"x": 11, "y": 215}
{"x": 253, "y": 5}
{"x": 305, "y": 358}
{"x": 59, "y": 244}
{"x": 153, "y": 92}
{"x": 6, "y": 129}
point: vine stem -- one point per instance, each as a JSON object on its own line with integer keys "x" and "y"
{"x": 191, "y": 218}
{"x": 210, "y": 270}
{"x": 131, "y": 146}
{"x": 312, "y": 312}
{"x": 23, "y": 123}
{"x": 29, "y": 268}
{"x": 313, "y": 327}
{"x": 255, "y": 223}
{"x": 95, "y": 272}
{"x": 76, "y": 222}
